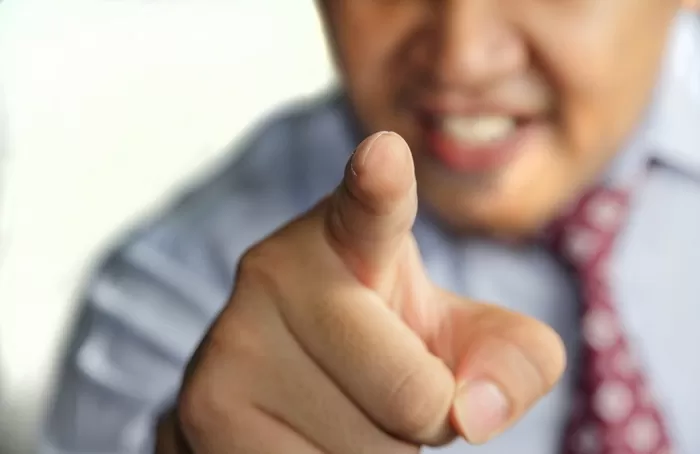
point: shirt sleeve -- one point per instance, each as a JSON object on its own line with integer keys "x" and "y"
{"x": 142, "y": 316}
{"x": 149, "y": 304}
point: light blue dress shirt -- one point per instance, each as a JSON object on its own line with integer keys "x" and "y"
{"x": 154, "y": 295}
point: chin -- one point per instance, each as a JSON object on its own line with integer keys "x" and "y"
{"x": 486, "y": 209}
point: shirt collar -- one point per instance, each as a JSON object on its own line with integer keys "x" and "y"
{"x": 672, "y": 133}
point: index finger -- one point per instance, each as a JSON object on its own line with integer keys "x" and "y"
{"x": 373, "y": 209}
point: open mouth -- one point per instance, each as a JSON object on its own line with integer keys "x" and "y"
{"x": 477, "y": 143}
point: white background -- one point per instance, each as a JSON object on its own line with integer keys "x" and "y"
{"x": 108, "y": 105}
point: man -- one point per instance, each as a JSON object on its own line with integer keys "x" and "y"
{"x": 359, "y": 326}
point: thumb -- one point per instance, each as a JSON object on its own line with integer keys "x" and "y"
{"x": 372, "y": 211}
{"x": 503, "y": 362}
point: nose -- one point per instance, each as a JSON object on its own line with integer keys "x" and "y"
{"x": 476, "y": 44}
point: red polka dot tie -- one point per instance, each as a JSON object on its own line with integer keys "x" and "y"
{"x": 614, "y": 411}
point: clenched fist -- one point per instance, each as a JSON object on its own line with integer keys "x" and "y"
{"x": 336, "y": 341}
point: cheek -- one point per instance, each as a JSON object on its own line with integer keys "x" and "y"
{"x": 578, "y": 55}
{"x": 604, "y": 86}
{"x": 375, "y": 49}
{"x": 534, "y": 187}
{"x": 371, "y": 83}
{"x": 592, "y": 114}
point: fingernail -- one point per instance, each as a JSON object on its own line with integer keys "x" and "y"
{"x": 359, "y": 157}
{"x": 481, "y": 410}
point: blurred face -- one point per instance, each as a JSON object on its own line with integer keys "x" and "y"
{"x": 510, "y": 106}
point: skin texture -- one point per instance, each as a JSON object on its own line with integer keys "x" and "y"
{"x": 353, "y": 349}
{"x": 586, "y": 66}
{"x": 334, "y": 339}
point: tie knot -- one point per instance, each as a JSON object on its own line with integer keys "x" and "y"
{"x": 585, "y": 233}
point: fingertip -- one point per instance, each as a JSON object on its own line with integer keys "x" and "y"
{"x": 363, "y": 150}
{"x": 382, "y": 150}
{"x": 480, "y": 411}
{"x": 503, "y": 365}
{"x": 374, "y": 206}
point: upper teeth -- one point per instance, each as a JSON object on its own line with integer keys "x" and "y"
{"x": 478, "y": 129}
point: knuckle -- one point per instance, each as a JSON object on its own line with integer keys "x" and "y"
{"x": 255, "y": 265}
{"x": 200, "y": 406}
{"x": 536, "y": 341}
{"x": 197, "y": 409}
{"x": 241, "y": 343}
{"x": 544, "y": 348}
{"x": 211, "y": 387}
{"x": 553, "y": 363}
{"x": 364, "y": 196}
{"x": 416, "y": 407}
{"x": 260, "y": 271}
{"x": 271, "y": 261}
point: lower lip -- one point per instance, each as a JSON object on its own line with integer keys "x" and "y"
{"x": 458, "y": 157}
